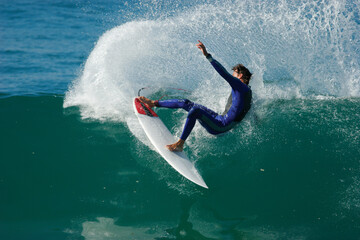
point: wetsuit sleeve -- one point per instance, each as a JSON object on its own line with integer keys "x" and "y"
{"x": 234, "y": 82}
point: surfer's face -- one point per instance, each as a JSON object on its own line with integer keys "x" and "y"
{"x": 237, "y": 74}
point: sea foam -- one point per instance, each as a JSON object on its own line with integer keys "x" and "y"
{"x": 295, "y": 50}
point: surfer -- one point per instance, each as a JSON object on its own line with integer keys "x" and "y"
{"x": 238, "y": 104}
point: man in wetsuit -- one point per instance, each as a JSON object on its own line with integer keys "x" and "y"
{"x": 238, "y": 105}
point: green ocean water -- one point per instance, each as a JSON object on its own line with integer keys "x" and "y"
{"x": 288, "y": 171}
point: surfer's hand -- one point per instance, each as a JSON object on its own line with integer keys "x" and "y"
{"x": 202, "y": 47}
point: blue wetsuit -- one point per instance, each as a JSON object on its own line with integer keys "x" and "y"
{"x": 237, "y": 107}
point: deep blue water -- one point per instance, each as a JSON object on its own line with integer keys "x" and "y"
{"x": 75, "y": 164}
{"x": 44, "y": 43}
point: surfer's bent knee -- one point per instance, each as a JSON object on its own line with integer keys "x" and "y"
{"x": 187, "y": 105}
{"x": 195, "y": 112}
{"x": 187, "y": 101}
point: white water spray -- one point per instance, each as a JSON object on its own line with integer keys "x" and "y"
{"x": 295, "y": 50}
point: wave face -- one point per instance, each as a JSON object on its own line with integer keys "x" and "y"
{"x": 291, "y": 174}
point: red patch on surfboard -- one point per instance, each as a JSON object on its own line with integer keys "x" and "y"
{"x": 144, "y": 109}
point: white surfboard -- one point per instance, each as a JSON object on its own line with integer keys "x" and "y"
{"x": 160, "y": 136}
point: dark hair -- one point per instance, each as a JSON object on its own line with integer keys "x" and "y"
{"x": 245, "y": 72}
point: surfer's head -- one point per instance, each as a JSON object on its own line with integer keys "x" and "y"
{"x": 242, "y": 73}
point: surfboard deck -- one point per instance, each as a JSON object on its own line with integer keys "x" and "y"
{"x": 160, "y": 136}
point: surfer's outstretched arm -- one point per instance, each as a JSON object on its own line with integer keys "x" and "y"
{"x": 233, "y": 81}
{"x": 218, "y": 67}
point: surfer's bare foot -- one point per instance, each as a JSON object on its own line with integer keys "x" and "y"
{"x": 176, "y": 147}
{"x": 150, "y": 103}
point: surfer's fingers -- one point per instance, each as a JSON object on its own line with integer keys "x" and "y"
{"x": 201, "y": 47}
{"x": 200, "y": 44}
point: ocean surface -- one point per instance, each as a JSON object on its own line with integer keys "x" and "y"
{"x": 75, "y": 163}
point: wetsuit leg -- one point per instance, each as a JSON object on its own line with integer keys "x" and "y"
{"x": 209, "y": 119}
{"x": 196, "y": 112}
{"x": 176, "y": 103}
